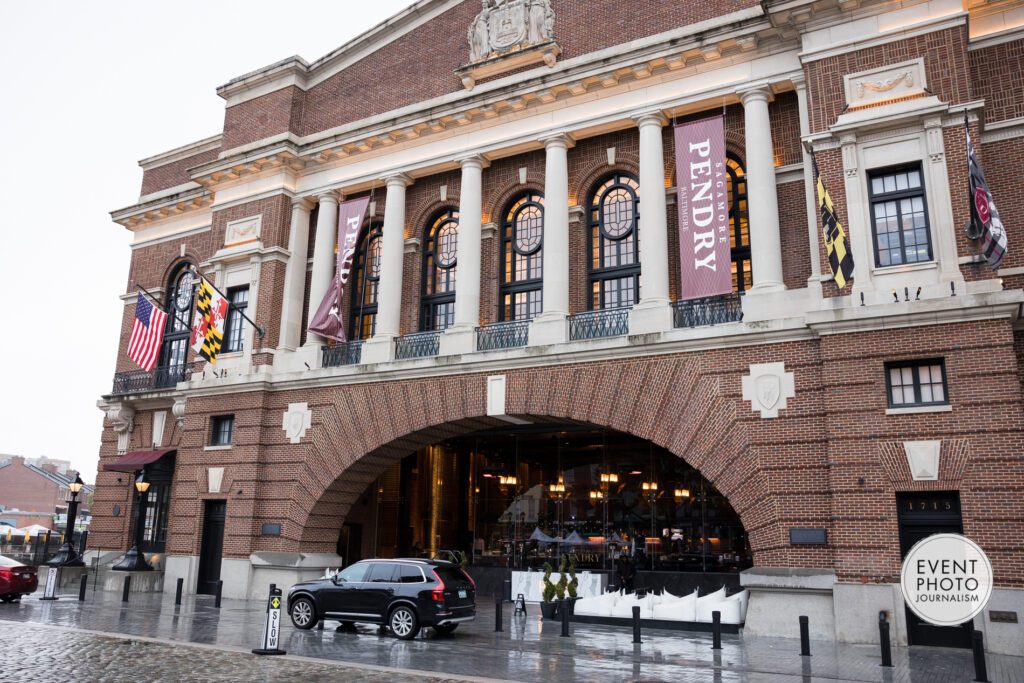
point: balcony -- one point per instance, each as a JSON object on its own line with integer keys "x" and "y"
{"x": 138, "y": 381}
{"x": 339, "y": 355}
{"x": 609, "y": 322}
{"x": 506, "y": 335}
{"x": 418, "y": 345}
{"x": 712, "y": 310}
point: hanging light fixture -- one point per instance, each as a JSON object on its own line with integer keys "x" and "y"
{"x": 650, "y": 486}
{"x": 609, "y": 478}
{"x": 596, "y": 495}
{"x": 681, "y": 493}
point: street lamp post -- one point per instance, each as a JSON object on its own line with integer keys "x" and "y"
{"x": 66, "y": 556}
{"x": 134, "y": 560}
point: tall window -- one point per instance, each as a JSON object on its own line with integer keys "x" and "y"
{"x": 180, "y": 299}
{"x": 238, "y": 298}
{"x": 522, "y": 258}
{"x": 614, "y": 259}
{"x": 899, "y": 217}
{"x": 365, "y": 282}
{"x": 739, "y": 225}
{"x": 439, "y": 270}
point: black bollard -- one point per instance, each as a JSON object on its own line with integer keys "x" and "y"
{"x": 883, "y": 638}
{"x": 498, "y": 621}
{"x": 716, "y": 630}
{"x": 805, "y": 637}
{"x": 216, "y": 596}
{"x": 636, "y": 624}
{"x": 127, "y": 588}
{"x": 81, "y": 588}
{"x": 980, "y": 669}
{"x": 564, "y": 610}
{"x": 177, "y": 591}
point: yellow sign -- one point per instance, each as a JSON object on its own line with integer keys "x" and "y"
{"x": 275, "y": 603}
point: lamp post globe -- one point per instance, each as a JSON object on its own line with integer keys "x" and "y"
{"x": 67, "y": 556}
{"x": 135, "y": 560}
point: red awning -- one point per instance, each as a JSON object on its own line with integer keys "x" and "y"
{"x": 136, "y": 460}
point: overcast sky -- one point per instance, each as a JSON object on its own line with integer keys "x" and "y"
{"x": 88, "y": 89}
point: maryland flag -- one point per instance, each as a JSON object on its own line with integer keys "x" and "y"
{"x": 208, "y": 328}
{"x": 985, "y": 223}
{"x": 840, "y": 260}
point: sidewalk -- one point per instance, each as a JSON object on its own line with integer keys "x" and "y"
{"x": 527, "y": 650}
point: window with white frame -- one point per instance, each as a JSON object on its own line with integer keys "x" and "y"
{"x": 234, "y": 340}
{"x": 899, "y": 216}
{"x": 916, "y": 383}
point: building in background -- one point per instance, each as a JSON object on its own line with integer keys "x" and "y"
{"x": 521, "y": 364}
{"x": 35, "y": 491}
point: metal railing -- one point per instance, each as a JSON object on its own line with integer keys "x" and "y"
{"x": 506, "y": 335}
{"x": 608, "y": 322}
{"x": 349, "y": 353}
{"x": 418, "y": 345}
{"x": 712, "y": 310}
{"x": 40, "y": 547}
{"x": 161, "y": 378}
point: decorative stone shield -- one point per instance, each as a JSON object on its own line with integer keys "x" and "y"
{"x": 767, "y": 387}
{"x": 508, "y": 25}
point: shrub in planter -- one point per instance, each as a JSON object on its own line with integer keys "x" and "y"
{"x": 548, "y": 608}
{"x": 573, "y": 586}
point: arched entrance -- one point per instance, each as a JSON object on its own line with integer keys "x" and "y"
{"x": 519, "y": 496}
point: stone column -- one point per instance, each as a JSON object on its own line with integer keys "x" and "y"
{"x": 762, "y": 197}
{"x": 324, "y": 260}
{"x": 551, "y": 326}
{"x": 652, "y": 313}
{"x": 389, "y": 293}
{"x": 461, "y": 336}
{"x": 295, "y": 275}
{"x": 810, "y": 191}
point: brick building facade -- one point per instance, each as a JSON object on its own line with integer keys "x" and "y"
{"x": 33, "y": 492}
{"x": 403, "y": 116}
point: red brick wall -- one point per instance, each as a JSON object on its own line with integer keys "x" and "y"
{"x": 997, "y": 76}
{"x": 802, "y": 469}
{"x": 421, "y": 65}
{"x": 174, "y": 173}
{"x": 945, "y": 63}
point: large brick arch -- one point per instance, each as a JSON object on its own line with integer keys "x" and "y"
{"x": 672, "y": 401}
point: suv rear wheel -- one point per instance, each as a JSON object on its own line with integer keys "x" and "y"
{"x": 303, "y": 613}
{"x": 404, "y": 623}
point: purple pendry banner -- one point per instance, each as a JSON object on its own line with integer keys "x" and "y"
{"x": 705, "y": 260}
{"x": 328, "y": 321}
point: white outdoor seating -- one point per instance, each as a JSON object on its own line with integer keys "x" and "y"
{"x": 668, "y": 607}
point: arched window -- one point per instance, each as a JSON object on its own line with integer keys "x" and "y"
{"x": 439, "y": 270}
{"x": 181, "y": 288}
{"x": 614, "y": 224}
{"x": 739, "y": 225}
{"x": 522, "y": 258}
{"x": 364, "y": 283}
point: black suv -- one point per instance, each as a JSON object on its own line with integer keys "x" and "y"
{"x": 404, "y": 595}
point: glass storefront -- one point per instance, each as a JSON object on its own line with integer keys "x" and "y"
{"x": 521, "y": 497}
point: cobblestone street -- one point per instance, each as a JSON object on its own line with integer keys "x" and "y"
{"x": 67, "y": 640}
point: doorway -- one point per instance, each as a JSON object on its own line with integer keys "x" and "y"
{"x": 922, "y": 515}
{"x": 214, "y": 512}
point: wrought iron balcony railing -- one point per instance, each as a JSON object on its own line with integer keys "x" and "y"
{"x": 506, "y": 335}
{"x": 712, "y": 310}
{"x": 608, "y": 322}
{"x": 349, "y": 353}
{"x": 417, "y": 345}
{"x": 161, "y": 378}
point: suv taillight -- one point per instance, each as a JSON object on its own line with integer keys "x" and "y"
{"x": 438, "y": 593}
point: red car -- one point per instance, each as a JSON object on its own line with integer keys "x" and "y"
{"x": 16, "y": 579}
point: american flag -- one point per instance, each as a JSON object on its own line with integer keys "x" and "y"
{"x": 147, "y": 333}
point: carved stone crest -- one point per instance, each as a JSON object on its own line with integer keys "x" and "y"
{"x": 505, "y": 25}
{"x": 767, "y": 387}
{"x": 296, "y": 420}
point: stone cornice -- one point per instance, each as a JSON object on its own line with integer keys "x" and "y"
{"x": 184, "y": 152}
{"x": 164, "y": 207}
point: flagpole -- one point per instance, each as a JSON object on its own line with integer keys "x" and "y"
{"x": 258, "y": 328}
{"x": 157, "y": 306}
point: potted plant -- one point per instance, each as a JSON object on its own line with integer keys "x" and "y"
{"x": 573, "y": 587}
{"x": 548, "y": 608}
{"x": 563, "y": 580}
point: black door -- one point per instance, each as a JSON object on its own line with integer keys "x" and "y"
{"x": 212, "y": 548}
{"x": 922, "y": 515}
{"x": 350, "y": 543}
